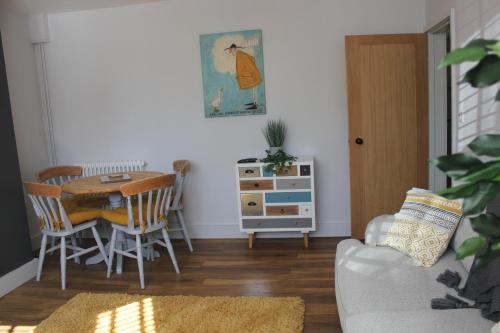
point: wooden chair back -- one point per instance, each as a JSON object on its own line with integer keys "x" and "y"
{"x": 46, "y": 200}
{"x": 59, "y": 174}
{"x": 151, "y": 194}
{"x": 181, "y": 167}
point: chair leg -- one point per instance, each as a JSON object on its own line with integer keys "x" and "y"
{"x": 170, "y": 249}
{"x": 73, "y": 243}
{"x": 140, "y": 262}
{"x": 112, "y": 245}
{"x": 41, "y": 257}
{"x": 180, "y": 217}
{"x": 99, "y": 244}
{"x": 52, "y": 244}
{"x": 121, "y": 241}
{"x": 63, "y": 262}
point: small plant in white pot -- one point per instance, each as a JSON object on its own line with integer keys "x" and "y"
{"x": 275, "y": 134}
{"x": 276, "y": 159}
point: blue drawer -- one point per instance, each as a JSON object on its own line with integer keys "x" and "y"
{"x": 280, "y": 197}
{"x": 267, "y": 173}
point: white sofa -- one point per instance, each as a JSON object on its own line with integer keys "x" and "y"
{"x": 380, "y": 290}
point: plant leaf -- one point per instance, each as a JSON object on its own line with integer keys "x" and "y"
{"x": 477, "y": 201}
{"x": 481, "y": 43}
{"x": 486, "y": 225}
{"x": 497, "y": 98}
{"x": 486, "y": 144}
{"x": 495, "y": 48}
{"x": 459, "y": 191}
{"x": 463, "y": 54}
{"x": 496, "y": 245}
{"x": 456, "y": 165}
{"x": 484, "y": 74}
{"x": 488, "y": 171}
{"x": 470, "y": 246}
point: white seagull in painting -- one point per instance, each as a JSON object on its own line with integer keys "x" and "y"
{"x": 217, "y": 101}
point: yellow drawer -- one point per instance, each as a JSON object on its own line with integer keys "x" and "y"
{"x": 251, "y": 205}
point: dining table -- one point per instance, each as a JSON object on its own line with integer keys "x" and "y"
{"x": 94, "y": 185}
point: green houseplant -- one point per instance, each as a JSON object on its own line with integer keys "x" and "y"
{"x": 276, "y": 158}
{"x": 476, "y": 175}
{"x": 275, "y": 134}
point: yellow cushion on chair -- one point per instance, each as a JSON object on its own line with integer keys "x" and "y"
{"x": 78, "y": 214}
{"x": 120, "y": 215}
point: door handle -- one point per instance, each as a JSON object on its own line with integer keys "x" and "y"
{"x": 359, "y": 141}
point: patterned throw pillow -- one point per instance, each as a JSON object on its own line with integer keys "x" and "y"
{"x": 424, "y": 226}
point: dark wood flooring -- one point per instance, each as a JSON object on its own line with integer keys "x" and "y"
{"x": 274, "y": 267}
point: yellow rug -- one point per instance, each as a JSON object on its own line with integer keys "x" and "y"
{"x": 121, "y": 313}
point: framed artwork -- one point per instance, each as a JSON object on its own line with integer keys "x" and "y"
{"x": 233, "y": 73}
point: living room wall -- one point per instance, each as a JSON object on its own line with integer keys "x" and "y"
{"x": 126, "y": 84}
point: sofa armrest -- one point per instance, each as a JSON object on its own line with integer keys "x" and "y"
{"x": 377, "y": 229}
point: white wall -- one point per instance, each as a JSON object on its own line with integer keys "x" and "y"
{"x": 477, "y": 111}
{"x": 25, "y": 98}
{"x": 126, "y": 84}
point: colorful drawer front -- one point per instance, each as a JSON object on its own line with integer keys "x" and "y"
{"x": 249, "y": 172}
{"x": 285, "y": 197}
{"x": 256, "y": 185}
{"x": 282, "y": 210}
{"x": 305, "y": 170}
{"x": 288, "y": 171}
{"x": 284, "y": 223}
{"x": 293, "y": 184}
{"x": 251, "y": 205}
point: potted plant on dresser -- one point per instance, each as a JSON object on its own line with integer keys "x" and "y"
{"x": 276, "y": 194}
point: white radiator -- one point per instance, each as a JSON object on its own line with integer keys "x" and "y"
{"x": 101, "y": 168}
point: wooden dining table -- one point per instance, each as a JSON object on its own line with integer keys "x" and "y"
{"x": 94, "y": 185}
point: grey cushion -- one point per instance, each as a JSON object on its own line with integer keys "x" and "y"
{"x": 381, "y": 278}
{"x": 418, "y": 321}
{"x": 464, "y": 231}
{"x": 376, "y": 230}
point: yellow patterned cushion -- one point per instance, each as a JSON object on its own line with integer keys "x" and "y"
{"x": 424, "y": 226}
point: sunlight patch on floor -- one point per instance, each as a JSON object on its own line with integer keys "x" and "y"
{"x": 16, "y": 329}
{"x": 133, "y": 317}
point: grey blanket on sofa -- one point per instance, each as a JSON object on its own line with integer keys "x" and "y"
{"x": 482, "y": 287}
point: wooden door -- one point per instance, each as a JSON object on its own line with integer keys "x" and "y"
{"x": 388, "y": 122}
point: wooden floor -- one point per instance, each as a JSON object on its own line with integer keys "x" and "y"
{"x": 274, "y": 267}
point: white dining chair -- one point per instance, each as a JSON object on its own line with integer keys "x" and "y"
{"x": 62, "y": 221}
{"x": 148, "y": 204}
{"x": 181, "y": 168}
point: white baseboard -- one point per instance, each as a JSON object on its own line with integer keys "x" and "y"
{"x": 232, "y": 230}
{"x": 17, "y": 277}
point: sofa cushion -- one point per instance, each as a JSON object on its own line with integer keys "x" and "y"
{"x": 418, "y": 321}
{"x": 380, "y": 278}
{"x": 424, "y": 226}
{"x": 377, "y": 229}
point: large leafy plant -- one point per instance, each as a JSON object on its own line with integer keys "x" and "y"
{"x": 476, "y": 175}
{"x": 275, "y": 132}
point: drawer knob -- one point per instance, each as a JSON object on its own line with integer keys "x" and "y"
{"x": 248, "y": 171}
{"x": 259, "y": 223}
{"x": 252, "y": 204}
{"x": 294, "y": 184}
{"x": 256, "y": 185}
{"x": 282, "y": 211}
{"x": 297, "y": 223}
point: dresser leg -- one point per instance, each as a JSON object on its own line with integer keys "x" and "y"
{"x": 251, "y": 238}
{"x": 306, "y": 240}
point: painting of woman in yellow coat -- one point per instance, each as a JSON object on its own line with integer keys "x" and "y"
{"x": 233, "y": 73}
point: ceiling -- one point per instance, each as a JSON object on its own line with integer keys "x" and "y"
{"x": 54, "y": 6}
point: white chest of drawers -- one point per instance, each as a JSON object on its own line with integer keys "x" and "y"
{"x": 276, "y": 203}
